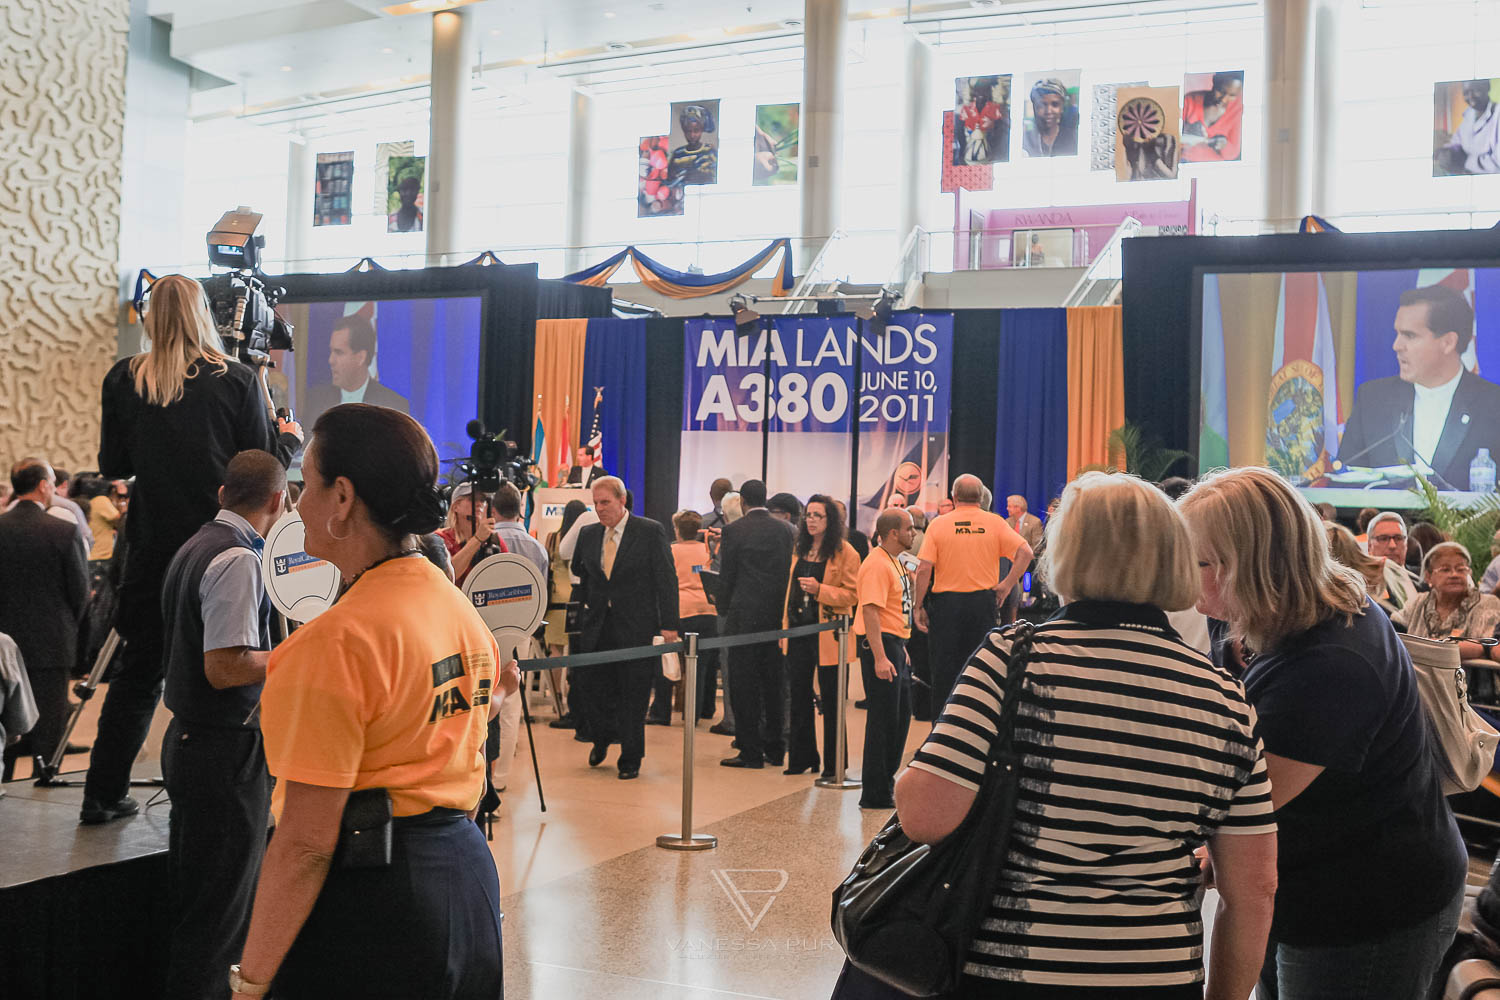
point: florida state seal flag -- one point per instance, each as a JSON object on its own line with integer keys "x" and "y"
{"x": 1303, "y": 417}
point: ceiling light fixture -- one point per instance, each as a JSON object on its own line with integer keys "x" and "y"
{"x": 424, "y": 6}
{"x": 286, "y": 69}
{"x": 609, "y": 15}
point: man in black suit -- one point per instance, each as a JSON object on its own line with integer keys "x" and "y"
{"x": 627, "y": 584}
{"x": 351, "y": 351}
{"x": 756, "y": 557}
{"x": 586, "y": 471}
{"x": 42, "y": 595}
{"x": 1435, "y": 412}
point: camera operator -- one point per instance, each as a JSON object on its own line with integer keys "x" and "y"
{"x": 173, "y": 417}
{"x": 217, "y": 621}
{"x": 469, "y": 533}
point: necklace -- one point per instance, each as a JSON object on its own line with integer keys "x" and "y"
{"x": 378, "y": 562}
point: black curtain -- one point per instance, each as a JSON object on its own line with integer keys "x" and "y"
{"x": 976, "y": 392}
{"x": 565, "y": 300}
{"x": 664, "y": 375}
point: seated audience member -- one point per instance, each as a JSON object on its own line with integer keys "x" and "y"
{"x": 335, "y": 915}
{"x": 1346, "y": 552}
{"x": 1327, "y": 511}
{"x": 690, "y": 558}
{"x": 43, "y": 590}
{"x": 1353, "y": 780}
{"x": 1107, "y": 842}
{"x": 469, "y": 534}
{"x": 218, "y": 638}
{"x": 820, "y": 587}
{"x": 1362, "y": 521}
{"x": 1426, "y": 535}
{"x": 1173, "y": 486}
{"x": 1387, "y": 541}
{"x": 1491, "y": 579}
{"x": 1452, "y": 606}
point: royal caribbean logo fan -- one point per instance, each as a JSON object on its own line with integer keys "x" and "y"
{"x": 501, "y": 595}
{"x": 296, "y": 562}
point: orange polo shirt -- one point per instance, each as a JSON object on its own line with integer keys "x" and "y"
{"x": 965, "y": 547}
{"x": 883, "y": 583}
{"x": 690, "y": 558}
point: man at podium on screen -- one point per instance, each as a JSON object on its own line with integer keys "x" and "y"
{"x": 1435, "y": 414}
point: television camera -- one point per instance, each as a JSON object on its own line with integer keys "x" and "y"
{"x": 492, "y": 460}
{"x": 243, "y": 305}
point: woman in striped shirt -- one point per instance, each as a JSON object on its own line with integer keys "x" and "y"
{"x": 1138, "y": 752}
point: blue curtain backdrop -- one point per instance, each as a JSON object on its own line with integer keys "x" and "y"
{"x": 614, "y": 357}
{"x": 1031, "y": 439}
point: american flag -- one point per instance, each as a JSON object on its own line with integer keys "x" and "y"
{"x": 596, "y": 435}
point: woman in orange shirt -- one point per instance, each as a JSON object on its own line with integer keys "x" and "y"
{"x": 691, "y": 558}
{"x": 820, "y": 586}
{"x": 374, "y": 717}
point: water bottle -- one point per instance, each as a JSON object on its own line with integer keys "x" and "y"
{"x": 1482, "y": 472}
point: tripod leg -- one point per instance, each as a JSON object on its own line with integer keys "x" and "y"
{"x": 531, "y": 741}
{"x": 84, "y": 690}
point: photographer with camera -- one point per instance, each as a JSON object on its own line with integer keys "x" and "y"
{"x": 218, "y": 640}
{"x": 173, "y": 417}
{"x": 469, "y": 532}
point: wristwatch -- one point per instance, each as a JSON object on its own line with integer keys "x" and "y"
{"x": 241, "y": 986}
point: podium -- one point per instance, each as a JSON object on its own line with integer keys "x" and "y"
{"x": 548, "y": 504}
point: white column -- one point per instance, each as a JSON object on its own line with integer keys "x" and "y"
{"x": 452, "y": 62}
{"x": 1290, "y": 46}
{"x": 576, "y": 209}
{"x": 916, "y": 134}
{"x": 823, "y": 54}
{"x": 1326, "y": 111}
{"x": 299, "y": 205}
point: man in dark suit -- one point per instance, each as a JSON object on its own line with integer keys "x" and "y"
{"x": 756, "y": 557}
{"x": 1435, "y": 412}
{"x": 42, "y": 595}
{"x": 627, "y": 584}
{"x": 586, "y": 471}
{"x": 351, "y": 351}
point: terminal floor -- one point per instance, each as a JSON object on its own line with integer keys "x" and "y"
{"x": 593, "y": 908}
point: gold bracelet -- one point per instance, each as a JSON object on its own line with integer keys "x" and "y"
{"x": 241, "y": 986}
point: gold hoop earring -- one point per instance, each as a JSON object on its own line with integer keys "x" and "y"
{"x": 328, "y": 527}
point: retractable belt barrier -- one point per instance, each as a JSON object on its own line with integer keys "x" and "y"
{"x": 690, "y": 646}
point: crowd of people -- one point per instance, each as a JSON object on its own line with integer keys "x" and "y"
{"x": 1216, "y": 694}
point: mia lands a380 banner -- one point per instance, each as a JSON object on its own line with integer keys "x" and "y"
{"x": 780, "y": 403}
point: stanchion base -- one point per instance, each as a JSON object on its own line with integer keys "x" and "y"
{"x": 697, "y": 842}
{"x": 842, "y": 786}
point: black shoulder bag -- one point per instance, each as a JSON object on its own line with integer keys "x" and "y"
{"x": 907, "y": 912}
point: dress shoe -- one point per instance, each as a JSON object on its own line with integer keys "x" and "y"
{"x": 886, "y": 804}
{"x": 742, "y": 761}
{"x": 627, "y": 774}
{"x": 827, "y": 775}
{"x": 800, "y": 768}
{"x": 719, "y": 729}
{"x": 862, "y": 703}
{"x": 596, "y": 756}
{"x": 566, "y": 722}
{"x": 657, "y": 722}
{"x": 78, "y": 748}
{"x": 98, "y": 812}
{"x": 580, "y": 737}
{"x": 775, "y": 757}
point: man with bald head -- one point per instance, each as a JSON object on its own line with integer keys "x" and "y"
{"x": 882, "y": 625}
{"x": 960, "y": 565}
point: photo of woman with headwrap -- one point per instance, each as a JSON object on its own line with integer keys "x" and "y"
{"x": 1052, "y": 118}
{"x": 404, "y": 194}
{"x": 1213, "y": 119}
{"x": 694, "y": 159}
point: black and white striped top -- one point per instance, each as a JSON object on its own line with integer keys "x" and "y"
{"x": 1137, "y": 750}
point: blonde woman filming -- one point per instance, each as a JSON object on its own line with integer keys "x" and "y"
{"x": 172, "y": 417}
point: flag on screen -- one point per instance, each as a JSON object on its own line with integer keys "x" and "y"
{"x": 1213, "y": 389}
{"x": 1303, "y": 416}
{"x": 596, "y": 434}
{"x": 1461, "y": 280}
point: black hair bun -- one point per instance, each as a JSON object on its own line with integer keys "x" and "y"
{"x": 424, "y": 514}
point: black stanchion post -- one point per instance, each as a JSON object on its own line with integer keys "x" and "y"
{"x": 840, "y": 779}
{"x": 688, "y": 841}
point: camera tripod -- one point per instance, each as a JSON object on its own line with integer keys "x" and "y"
{"x": 47, "y": 770}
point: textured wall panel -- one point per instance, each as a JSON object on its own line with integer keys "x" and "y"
{"x": 62, "y": 119}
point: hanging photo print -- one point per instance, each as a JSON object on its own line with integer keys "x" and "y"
{"x": 1146, "y": 134}
{"x": 981, "y": 132}
{"x": 404, "y": 194}
{"x": 1465, "y": 128}
{"x": 694, "y": 157}
{"x": 1102, "y": 124}
{"x": 653, "y": 194}
{"x": 383, "y": 153}
{"x": 775, "y": 144}
{"x": 1051, "y": 113}
{"x": 332, "y": 201}
{"x": 1213, "y": 116}
{"x": 970, "y": 177}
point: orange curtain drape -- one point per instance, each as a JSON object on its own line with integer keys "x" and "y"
{"x": 556, "y": 384}
{"x": 1096, "y": 384}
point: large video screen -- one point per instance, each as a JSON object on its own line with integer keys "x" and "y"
{"x": 1349, "y": 383}
{"x": 420, "y": 356}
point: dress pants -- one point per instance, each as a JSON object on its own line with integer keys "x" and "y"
{"x": 957, "y": 624}
{"x": 617, "y": 697}
{"x": 886, "y": 721}
{"x": 755, "y": 679}
{"x": 707, "y": 626}
{"x": 131, "y": 699}
{"x": 49, "y": 688}
{"x": 801, "y": 665}
{"x": 221, "y": 793}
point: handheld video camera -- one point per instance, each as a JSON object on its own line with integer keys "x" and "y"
{"x": 243, "y": 305}
{"x": 493, "y": 460}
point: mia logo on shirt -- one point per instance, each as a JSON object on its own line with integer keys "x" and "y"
{"x": 296, "y": 562}
{"x": 450, "y": 702}
{"x": 502, "y": 595}
{"x": 967, "y": 528}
